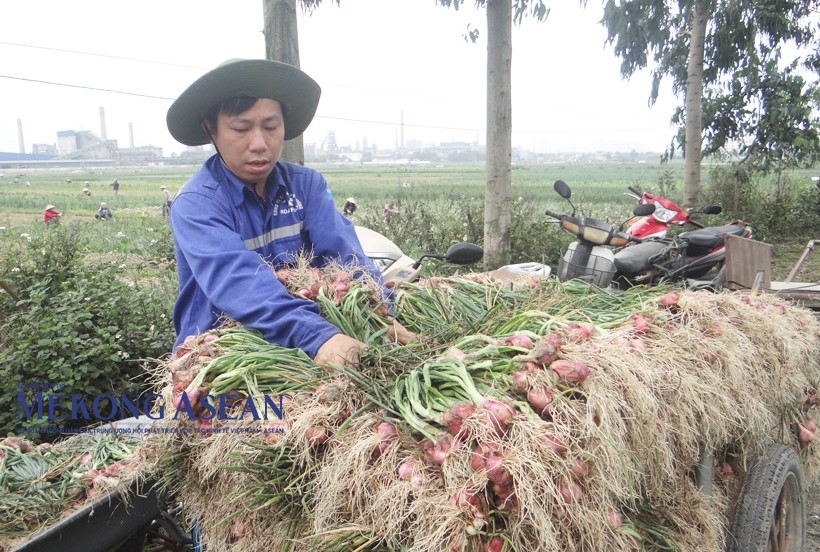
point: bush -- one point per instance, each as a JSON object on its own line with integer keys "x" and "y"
{"x": 81, "y": 323}
{"x": 432, "y": 227}
{"x": 778, "y": 211}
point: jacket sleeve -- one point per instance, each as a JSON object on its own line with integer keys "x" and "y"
{"x": 236, "y": 280}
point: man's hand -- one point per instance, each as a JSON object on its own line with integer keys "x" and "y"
{"x": 339, "y": 350}
{"x": 400, "y": 334}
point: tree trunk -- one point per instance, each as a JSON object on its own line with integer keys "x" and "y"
{"x": 694, "y": 104}
{"x": 282, "y": 44}
{"x": 498, "y": 187}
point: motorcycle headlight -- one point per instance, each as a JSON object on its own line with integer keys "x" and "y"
{"x": 663, "y": 214}
{"x": 596, "y": 235}
{"x": 596, "y": 232}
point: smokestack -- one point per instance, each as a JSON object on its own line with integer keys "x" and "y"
{"x": 103, "y": 133}
{"x": 131, "y": 135}
{"x": 20, "y": 135}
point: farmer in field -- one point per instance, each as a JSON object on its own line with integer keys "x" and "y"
{"x": 245, "y": 207}
{"x": 389, "y": 211}
{"x": 166, "y": 201}
{"x": 116, "y": 187}
{"x": 51, "y": 215}
{"x": 350, "y": 207}
{"x": 104, "y": 212}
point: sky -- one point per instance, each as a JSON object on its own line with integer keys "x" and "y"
{"x": 379, "y": 63}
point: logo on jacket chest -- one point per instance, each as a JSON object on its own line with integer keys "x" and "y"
{"x": 287, "y": 204}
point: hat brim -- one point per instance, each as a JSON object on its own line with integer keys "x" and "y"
{"x": 251, "y": 78}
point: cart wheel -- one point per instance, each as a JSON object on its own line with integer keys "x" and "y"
{"x": 771, "y": 512}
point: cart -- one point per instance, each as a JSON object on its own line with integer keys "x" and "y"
{"x": 117, "y": 522}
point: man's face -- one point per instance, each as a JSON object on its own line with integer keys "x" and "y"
{"x": 250, "y": 143}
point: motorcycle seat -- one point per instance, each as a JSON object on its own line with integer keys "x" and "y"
{"x": 711, "y": 236}
{"x": 635, "y": 258}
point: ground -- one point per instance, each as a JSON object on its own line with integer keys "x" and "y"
{"x": 784, "y": 257}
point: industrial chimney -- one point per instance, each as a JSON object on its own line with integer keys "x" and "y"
{"x": 103, "y": 133}
{"x": 20, "y": 135}
{"x": 131, "y": 135}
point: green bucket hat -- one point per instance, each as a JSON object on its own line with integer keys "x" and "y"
{"x": 251, "y": 78}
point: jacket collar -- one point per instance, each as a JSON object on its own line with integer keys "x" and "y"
{"x": 239, "y": 192}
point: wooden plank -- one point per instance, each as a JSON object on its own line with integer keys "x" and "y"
{"x": 804, "y": 294}
{"x": 744, "y": 259}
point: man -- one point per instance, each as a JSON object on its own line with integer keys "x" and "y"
{"x": 245, "y": 207}
{"x": 166, "y": 201}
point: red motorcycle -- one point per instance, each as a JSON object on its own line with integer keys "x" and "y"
{"x": 652, "y": 257}
{"x": 656, "y": 224}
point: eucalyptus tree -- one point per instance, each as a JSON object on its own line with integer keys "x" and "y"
{"x": 727, "y": 58}
{"x": 498, "y": 184}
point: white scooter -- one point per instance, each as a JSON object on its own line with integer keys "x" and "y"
{"x": 397, "y": 267}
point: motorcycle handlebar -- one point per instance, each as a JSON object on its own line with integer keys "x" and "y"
{"x": 634, "y": 191}
{"x": 552, "y": 214}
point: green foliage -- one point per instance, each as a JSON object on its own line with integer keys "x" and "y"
{"x": 787, "y": 209}
{"x": 81, "y": 321}
{"x": 753, "y": 99}
{"x": 767, "y": 112}
{"x": 666, "y": 183}
{"x": 431, "y": 226}
{"x": 536, "y": 9}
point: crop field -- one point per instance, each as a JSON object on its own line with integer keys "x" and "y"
{"x": 371, "y": 185}
{"x": 440, "y": 204}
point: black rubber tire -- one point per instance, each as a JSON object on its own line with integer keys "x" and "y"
{"x": 772, "y": 505}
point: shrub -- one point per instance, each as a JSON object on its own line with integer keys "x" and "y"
{"x": 432, "y": 227}
{"x": 83, "y": 325}
{"x": 778, "y": 211}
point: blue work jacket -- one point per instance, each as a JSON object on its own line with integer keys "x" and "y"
{"x": 224, "y": 234}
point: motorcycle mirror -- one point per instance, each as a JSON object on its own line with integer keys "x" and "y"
{"x": 464, "y": 253}
{"x": 562, "y": 189}
{"x": 712, "y": 209}
{"x": 643, "y": 209}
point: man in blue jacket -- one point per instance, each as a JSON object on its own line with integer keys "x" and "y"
{"x": 245, "y": 208}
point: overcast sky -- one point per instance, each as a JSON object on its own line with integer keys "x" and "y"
{"x": 378, "y": 62}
